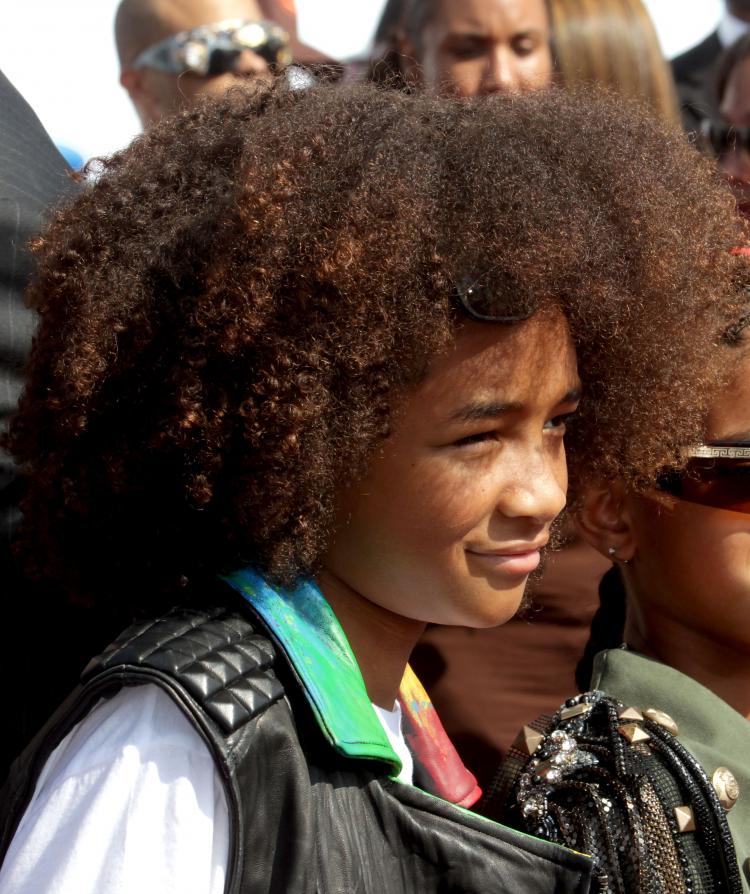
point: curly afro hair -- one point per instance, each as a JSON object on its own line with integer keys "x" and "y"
{"x": 231, "y": 312}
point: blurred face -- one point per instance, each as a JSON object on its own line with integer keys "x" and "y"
{"x": 170, "y": 93}
{"x": 449, "y": 522}
{"x": 475, "y": 47}
{"x": 739, "y": 8}
{"x": 735, "y": 110}
{"x": 159, "y": 93}
{"x": 692, "y": 562}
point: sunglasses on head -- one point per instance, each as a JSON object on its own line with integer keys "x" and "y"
{"x": 484, "y": 305}
{"x": 722, "y": 138}
{"x": 215, "y": 49}
{"x": 716, "y": 475}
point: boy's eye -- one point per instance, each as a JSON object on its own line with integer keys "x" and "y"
{"x": 477, "y": 438}
{"x": 557, "y": 422}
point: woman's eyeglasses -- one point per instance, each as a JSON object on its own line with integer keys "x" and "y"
{"x": 722, "y": 138}
{"x": 716, "y": 475}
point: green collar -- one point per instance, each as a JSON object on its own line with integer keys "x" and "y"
{"x": 305, "y": 627}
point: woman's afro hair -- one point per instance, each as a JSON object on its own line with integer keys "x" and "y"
{"x": 232, "y": 310}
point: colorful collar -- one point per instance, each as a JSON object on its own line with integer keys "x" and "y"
{"x": 306, "y": 629}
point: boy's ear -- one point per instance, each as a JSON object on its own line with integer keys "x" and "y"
{"x": 605, "y": 522}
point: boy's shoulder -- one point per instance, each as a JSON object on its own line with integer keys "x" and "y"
{"x": 215, "y": 658}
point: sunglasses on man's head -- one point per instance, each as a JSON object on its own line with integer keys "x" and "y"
{"x": 716, "y": 475}
{"x": 722, "y": 138}
{"x": 215, "y": 49}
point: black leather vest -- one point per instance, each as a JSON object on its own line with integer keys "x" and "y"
{"x": 302, "y": 818}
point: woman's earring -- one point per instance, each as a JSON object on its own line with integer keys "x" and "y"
{"x": 612, "y": 553}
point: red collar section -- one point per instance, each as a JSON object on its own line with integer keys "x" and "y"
{"x": 431, "y": 747}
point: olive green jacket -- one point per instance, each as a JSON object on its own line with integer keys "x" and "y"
{"x": 716, "y": 734}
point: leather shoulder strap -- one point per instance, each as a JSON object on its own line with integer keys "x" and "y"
{"x": 212, "y": 662}
{"x": 215, "y": 655}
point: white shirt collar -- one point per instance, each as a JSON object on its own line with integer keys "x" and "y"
{"x": 731, "y": 28}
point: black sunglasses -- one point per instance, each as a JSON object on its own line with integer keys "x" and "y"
{"x": 215, "y": 49}
{"x": 716, "y": 475}
{"x": 480, "y": 303}
{"x": 721, "y": 137}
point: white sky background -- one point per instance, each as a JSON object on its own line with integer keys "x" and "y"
{"x": 61, "y": 56}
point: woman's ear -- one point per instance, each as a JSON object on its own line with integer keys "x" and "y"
{"x": 605, "y": 522}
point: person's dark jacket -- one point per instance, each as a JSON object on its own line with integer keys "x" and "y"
{"x": 695, "y": 76}
{"x": 309, "y": 774}
{"x": 34, "y": 177}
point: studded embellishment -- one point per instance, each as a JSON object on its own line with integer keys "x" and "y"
{"x": 633, "y": 733}
{"x": 577, "y": 710}
{"x": 630, "y": 714}
{"x": 684, "y": 818}
{"x": 726, "y": 787}
{"x": 605, "y": 782}
{"x": 663, "y": 719}
{"x": 528, "y": 740}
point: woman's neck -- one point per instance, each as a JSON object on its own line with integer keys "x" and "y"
{"x": 381, "y": 640}
{"x": 720, "y": 665}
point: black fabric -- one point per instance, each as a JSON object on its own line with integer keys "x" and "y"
{"x": 303, "y": 818}
{"x": 695, "y": 76}
{"x": 33, "y": 178}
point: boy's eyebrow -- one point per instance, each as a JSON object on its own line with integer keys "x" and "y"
{"x": 476, "y": 412}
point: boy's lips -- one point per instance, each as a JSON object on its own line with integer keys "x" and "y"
{"x": 518, "y": 558}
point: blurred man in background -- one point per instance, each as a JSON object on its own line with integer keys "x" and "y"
{"x": 727, "y": 133}
{"x": 173, "y": 51}
{"x": 469, "y": 47}
{"x": 695, "y": 70}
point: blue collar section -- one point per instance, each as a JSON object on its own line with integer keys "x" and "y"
{"x": 305, "y": 627}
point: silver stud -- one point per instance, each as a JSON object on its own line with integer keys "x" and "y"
{"x": 575, "y": 711}
{"x": 684, "y": 817}
{"x": 726, "y": 787}
{"x": 630, "y": 714}
{"x": 528, "y": 740}
{"x": 663, "y": 719}
{"x": 633, "y": 733}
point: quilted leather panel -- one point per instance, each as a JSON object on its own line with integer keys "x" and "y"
{"x": 215, "y": 655}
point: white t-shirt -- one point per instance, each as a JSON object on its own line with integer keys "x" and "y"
{"x": 391, "y": 723}
{"x": 131, "y": 802}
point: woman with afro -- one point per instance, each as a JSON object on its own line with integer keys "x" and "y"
{"x": 305, "y": 366}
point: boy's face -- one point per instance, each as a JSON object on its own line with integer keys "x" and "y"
{"x": 448, "y": 524}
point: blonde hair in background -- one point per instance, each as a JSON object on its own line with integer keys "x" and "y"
{"x": 612, "y": 43}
